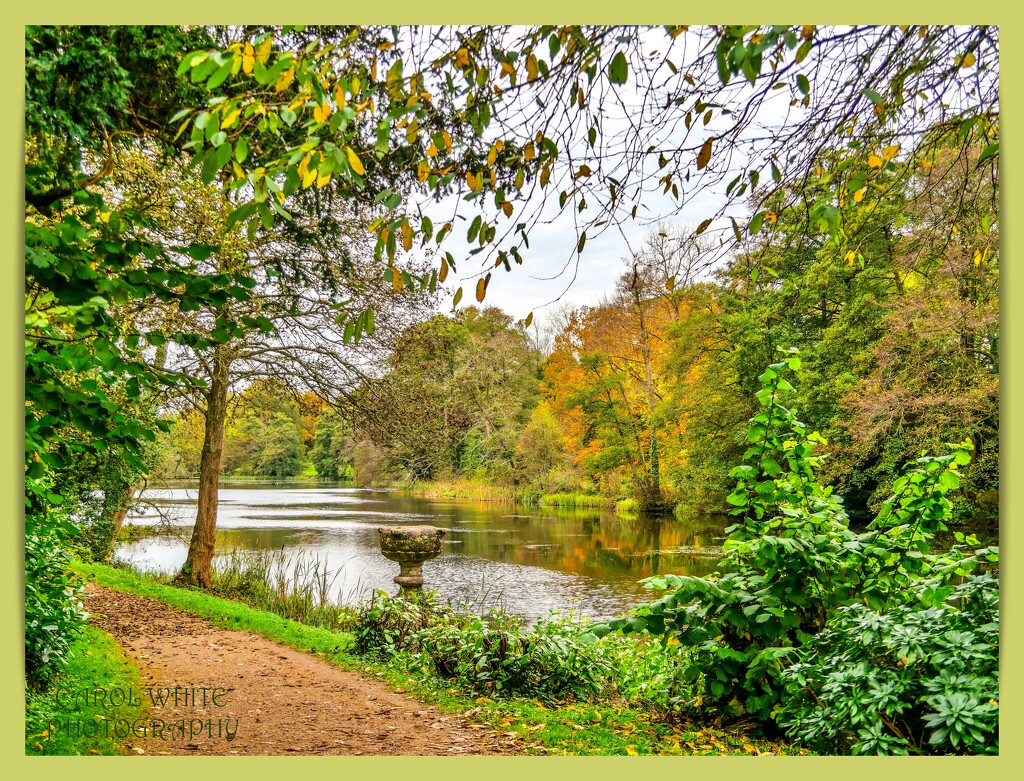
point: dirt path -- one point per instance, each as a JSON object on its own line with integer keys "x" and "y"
{"x": 274, "y": 700}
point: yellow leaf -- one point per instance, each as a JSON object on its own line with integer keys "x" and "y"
{"x": 481, "y": 291}
{"x": 339, "y": 95}
{"x": 529, "y": 152}
{"x": 431, "y": 150}
{"x": 859, "y": 195}
{"x": 506, "y": 207}
{"x": 322, "y": 112}
{"x": 229, "y": 120}
{"x": 631, "y": 750}
{"x": 398, "y": 284}
{"x": 321, "y": 180}
{"x": 499, "y": 144}
{"x": 304, "y": 165}
{"x": 890, "y": 151}
{"x": 423, "y": 170}
{"x": 850, "y": 257}
{"x": 771, "y": 217}
{"x": 520, "y": 179}
{"x": 308, "y": 178}
{"x": 977, "y": 257}
{"x": 462, "y": 58}
{"x": 704, "y": 155}
{"x": 531, "y": 68}
{"x": 447, "y": 140}
{"x": 285, "y": 80}
{"x": 508, "y": 69}
{"x": 444, "y": 270}
{"x": 492, "y": 157}
{"x": 263, "y": 53}
{"x": 248, "y": 58}
{"x": 354, "y": 161}
{"x": 967, "y": 60}
{"x": 954, "y": 229}
{"x": 874, "y": 161}
{"x": 407, "y": 237}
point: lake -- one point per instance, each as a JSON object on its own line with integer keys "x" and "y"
{"x": 529, "y": 560}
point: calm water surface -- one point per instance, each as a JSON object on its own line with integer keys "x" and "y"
{"x": 528, "y": 560}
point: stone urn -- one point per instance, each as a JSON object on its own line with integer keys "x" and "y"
{"x": 410, "y": 546}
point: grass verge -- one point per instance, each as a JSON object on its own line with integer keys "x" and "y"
{"x": 74, "y": 717}
{"x": 575, "y": 500}
{"x": 572, "y": 728}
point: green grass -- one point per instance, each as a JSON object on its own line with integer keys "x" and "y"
{"x": 299, "y": 589}
{"x": 569, "y": 728}
{"x": 628, "y": 509}
{"x": 475, "y": 490}
{"x": 575, "y": 500}
{"x": 223, "y": 612}
{"x": 73, "y": 716}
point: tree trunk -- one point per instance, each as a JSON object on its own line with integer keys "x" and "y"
{"x": 653, "y": 499}
{"x": 117, "y": 518}
{"x": 197, "y": 567}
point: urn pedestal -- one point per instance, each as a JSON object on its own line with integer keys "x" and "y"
{"x": 410, "y": 546}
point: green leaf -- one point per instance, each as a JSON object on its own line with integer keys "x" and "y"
{"x": 990, "y": 151}
{"x": 871, "y": 95}
{"x": 756, "y": 222}
{"x": 618, "y": 70}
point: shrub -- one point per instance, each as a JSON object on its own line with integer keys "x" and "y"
{"x": 495, "y": 654}
{"x": 917, "y": 679}
{"x": 793, "y": 561}
{"x": 53, "y": 608}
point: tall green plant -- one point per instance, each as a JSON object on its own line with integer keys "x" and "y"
{"x": 792, "y": 560}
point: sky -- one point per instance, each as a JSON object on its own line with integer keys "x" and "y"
{"x": 552, "y": 274}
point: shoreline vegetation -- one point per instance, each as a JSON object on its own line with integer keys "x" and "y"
{"x": 480, "y": 491}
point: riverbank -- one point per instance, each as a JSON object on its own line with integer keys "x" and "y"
{"x": 579, "y": 728}
{"x": 521, "y": 495}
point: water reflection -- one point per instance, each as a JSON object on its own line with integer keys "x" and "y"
{"x": 529, "y": 560}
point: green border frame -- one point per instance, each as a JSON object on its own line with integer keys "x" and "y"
{"x": 405, "y": 11}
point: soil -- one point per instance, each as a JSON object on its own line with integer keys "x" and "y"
{"x": 274, "y": 699}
